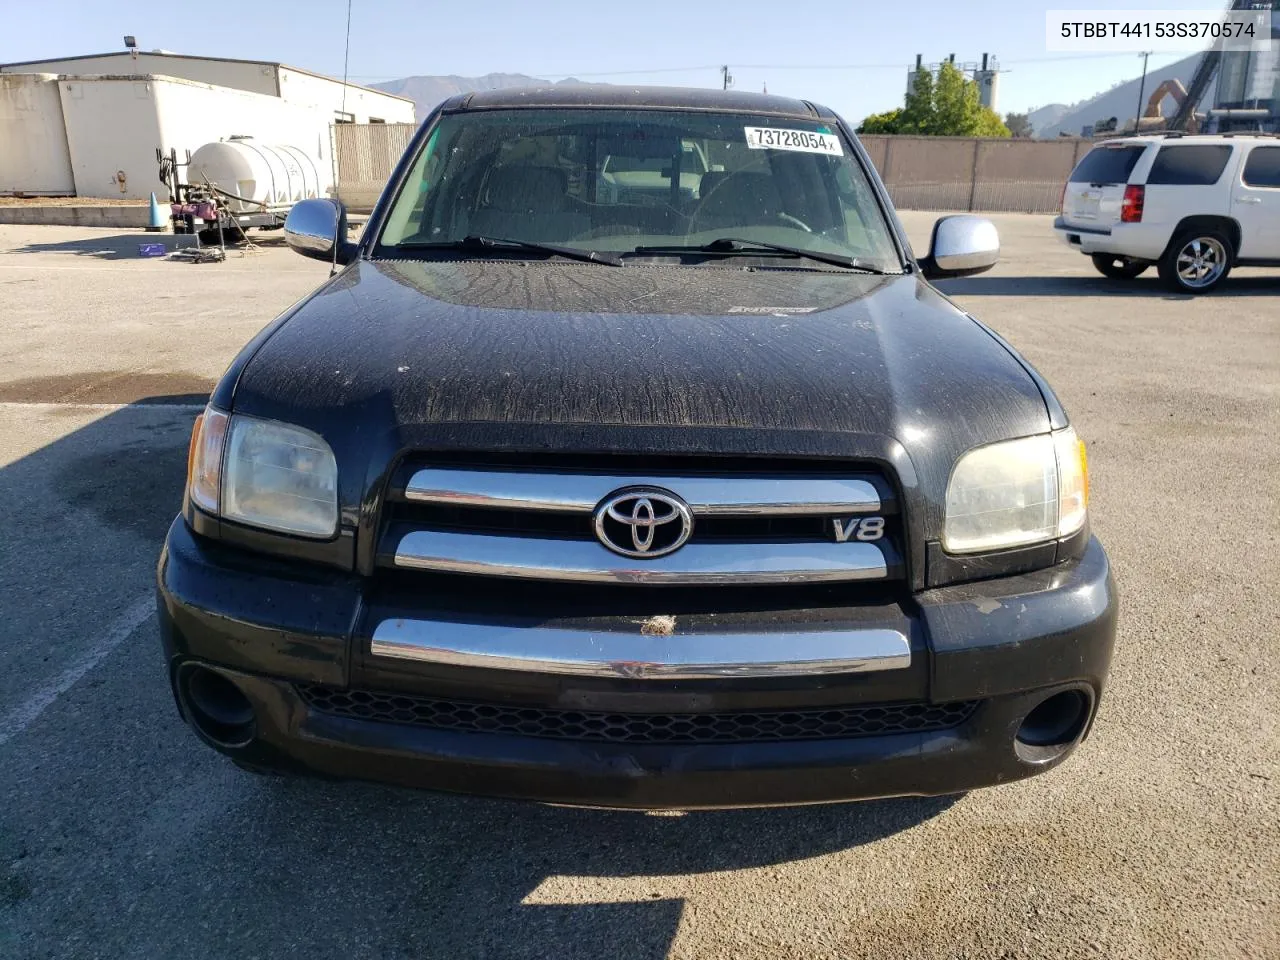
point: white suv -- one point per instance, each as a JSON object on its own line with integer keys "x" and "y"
{"x": 1195, "y": 206}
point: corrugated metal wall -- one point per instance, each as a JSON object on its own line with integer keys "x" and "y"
{"x": 922, "y": 173}
{"x": 971, "y": 173}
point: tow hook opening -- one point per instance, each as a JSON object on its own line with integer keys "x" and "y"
{"x": 215, "y": 706}
{"x": 1053, "y": 726}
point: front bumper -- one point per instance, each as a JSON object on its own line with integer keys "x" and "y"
{"x": 275, "y": 632}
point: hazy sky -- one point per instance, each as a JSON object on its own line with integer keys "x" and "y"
{"x": 852, "y": 55}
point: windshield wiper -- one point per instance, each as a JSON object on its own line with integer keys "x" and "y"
{"x": 735, "y": 245}
{"x": 477, "y": 242}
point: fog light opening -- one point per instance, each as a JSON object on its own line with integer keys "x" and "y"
{"x": 1052, "y": 726}
{"x": 216, "y": 707}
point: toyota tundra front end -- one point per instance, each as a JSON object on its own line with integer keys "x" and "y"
{"x": 631, "y": 460}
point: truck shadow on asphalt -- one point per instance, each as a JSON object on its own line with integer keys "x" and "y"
{"x": 166, "y": 849}
{"x": 1145, "y": 286}
{"x": 122, "y": 246}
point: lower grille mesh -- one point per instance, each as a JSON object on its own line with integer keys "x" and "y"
{"x": 832, "y": 723}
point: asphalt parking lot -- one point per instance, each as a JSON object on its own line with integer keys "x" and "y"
{"x": 122, "y": 837}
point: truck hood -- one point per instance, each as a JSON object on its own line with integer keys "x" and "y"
{"x": 551, "y": 355}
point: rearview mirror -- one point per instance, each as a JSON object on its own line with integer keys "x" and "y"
{"x": 313, "y": 227}
{"x": 962, "y": 246}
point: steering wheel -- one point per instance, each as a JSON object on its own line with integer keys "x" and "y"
{"x": 795, "y": 220}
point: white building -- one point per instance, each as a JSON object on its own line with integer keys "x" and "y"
{"x": 291, "y": 84}
{"x": 90, "y": 126}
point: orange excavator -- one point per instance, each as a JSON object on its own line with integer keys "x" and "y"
{"x": 1172, "y": 88}
{"x": 1153, "y": 118}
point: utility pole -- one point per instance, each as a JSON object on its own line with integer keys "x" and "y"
{"x": 726, "y": 77}
{"x": 1142, "y": 89}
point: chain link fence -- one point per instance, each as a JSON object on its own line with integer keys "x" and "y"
{"x": 922, "y": 173}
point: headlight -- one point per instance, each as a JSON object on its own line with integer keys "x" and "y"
{"x": 1017, "y": 492}
{"x": 204, "y": 459}
{"x": 1073, "y": 481}
{"x": 264, "y": 474}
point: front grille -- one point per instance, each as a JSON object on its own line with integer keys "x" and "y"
{"x": 774, "y": 523}
{"x": 739, "y": 727}
{"x": 570, "y": 526}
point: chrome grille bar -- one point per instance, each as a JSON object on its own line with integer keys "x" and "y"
{"x": 736, "y": 496}
{"x": 641, "y": 656}
{"x": 695, "y": 563}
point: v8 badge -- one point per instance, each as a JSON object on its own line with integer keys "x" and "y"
{"x": 864, "y": 529}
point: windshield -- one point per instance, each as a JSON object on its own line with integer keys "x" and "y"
{"x": 616, "y": 180}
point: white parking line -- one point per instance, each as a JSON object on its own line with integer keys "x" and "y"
{"x": 133, "y": 617}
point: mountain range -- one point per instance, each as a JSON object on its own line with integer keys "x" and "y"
{"x": 1121, "y": 101}
{"x": 427, "y": 92}
{"x": 1042, "y": 118}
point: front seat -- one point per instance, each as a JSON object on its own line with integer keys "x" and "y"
{"x": 527, "y": 203}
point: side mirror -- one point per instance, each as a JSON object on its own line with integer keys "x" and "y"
{"x": 313, "y": 227}
{"x": 962, "y": 246}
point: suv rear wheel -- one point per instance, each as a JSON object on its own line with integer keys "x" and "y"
{"x": 1197, "y": 261}
{"x": 1118, "y": 268}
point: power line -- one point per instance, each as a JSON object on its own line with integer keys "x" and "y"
{"x": 898, "y": 65}
{"x": 626, "y": 73}
{"x": 901, "y": 65}
{"x": 572, "y": 73}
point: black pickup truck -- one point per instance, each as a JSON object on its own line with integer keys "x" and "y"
{"x": 631, "y": 460}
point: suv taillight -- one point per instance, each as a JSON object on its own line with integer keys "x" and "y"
{"x": 1131, "y": 206}
{"x": 1062, "y": 201}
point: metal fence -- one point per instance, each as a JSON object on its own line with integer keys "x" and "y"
{"x": 922, "y": 173}
{"x": 974, "y": 173}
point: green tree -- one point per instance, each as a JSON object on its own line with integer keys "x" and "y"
{"x": 917, "y": 114}
{"x": 890, "y": 122}
{"x": 1019, "y": 124}
{"x": 943, "y": 106}
{"x": 954, "y": 110}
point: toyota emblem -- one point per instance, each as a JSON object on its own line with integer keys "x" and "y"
{"x": 643, "y": 522}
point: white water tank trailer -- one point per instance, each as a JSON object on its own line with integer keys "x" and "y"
{"x": 250, "y": 174}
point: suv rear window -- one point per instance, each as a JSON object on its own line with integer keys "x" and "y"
{"x": 1107, "y": 165}
{"x": 1262, "y": 169}
{"x": 1189, "y": 166}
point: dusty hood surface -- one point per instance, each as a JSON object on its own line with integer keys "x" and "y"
{"x": 538, "y": 342}
{"x": 545, "y": 355}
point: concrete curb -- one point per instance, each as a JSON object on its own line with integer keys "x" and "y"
{"x": 76, "y": 215}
